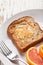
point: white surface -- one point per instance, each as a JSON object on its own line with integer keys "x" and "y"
{"x": 37, "y": 14}
{"x": 10, "y": 7}
{"x": 1, "y": 63}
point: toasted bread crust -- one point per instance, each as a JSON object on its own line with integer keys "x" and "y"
{"x": 16, "y": 41}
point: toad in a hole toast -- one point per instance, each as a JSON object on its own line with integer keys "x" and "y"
{"x": 25, "y": 32}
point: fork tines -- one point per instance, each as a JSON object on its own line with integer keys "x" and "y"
{"x": 4, "y": 48}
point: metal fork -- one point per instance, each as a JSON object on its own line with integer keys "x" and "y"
{"x": 9, "y": 54}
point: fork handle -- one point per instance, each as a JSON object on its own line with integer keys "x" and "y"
{"x": 19, "y": 59}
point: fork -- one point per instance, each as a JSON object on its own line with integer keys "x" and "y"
{"x": 10, "y": 54}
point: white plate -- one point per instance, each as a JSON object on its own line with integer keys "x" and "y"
{"x": 37, "y": 14}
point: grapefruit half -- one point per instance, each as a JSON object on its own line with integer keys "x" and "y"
{"x": 33, "y": 57}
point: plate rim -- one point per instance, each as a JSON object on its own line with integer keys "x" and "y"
{"x": 20, "y": 13}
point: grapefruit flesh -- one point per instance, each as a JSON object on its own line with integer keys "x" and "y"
{"x": 33, "y": 57}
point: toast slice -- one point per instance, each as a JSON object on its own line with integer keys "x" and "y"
{"x": 25, "y": 32}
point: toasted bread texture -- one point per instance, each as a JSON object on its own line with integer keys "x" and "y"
{"x": 25, "y": 32}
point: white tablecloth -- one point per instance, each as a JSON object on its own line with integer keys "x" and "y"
{"x": 8, "y": 8}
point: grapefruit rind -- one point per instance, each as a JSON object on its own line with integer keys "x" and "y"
{"x": 27, "y": 58}
{"x": 41, "y": 51}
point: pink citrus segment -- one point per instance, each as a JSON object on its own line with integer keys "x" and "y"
{"x": 33, "y": 57}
